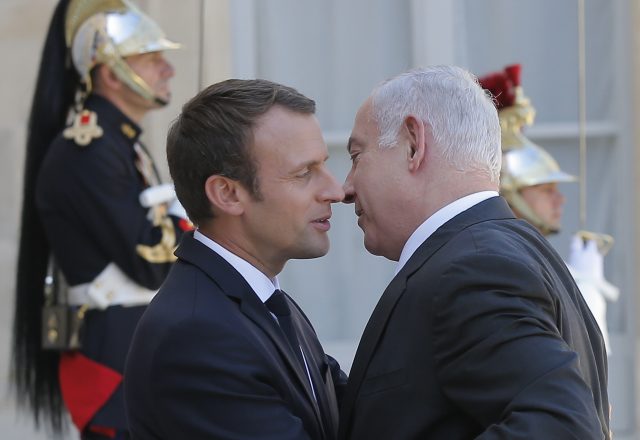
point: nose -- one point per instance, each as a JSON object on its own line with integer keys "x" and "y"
{"x": 168, "y": 69}
{"x": 560, "y": 198}
{"x": 349, "y": 193}
{"x": 333, "y": 191}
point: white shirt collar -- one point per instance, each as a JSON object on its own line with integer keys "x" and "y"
{"x": 262, "y": 285}
{"x": 439, "y": 218}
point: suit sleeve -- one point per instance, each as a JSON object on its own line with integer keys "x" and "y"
{"x": 220, "y": 388}
{"x": 500, "y": 357}
{"x": 339, "y": 378}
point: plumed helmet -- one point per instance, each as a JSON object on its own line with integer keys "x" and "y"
{"x": 107, "y": 31}
{"x": 523, "y": 162}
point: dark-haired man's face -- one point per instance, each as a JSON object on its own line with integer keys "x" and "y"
{"x": 291, "y": 219}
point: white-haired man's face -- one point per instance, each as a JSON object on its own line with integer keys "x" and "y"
{"x": 375, "y": 186}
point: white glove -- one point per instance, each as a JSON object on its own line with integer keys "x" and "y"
{"x": 586, "y": 259}
{"x": 176, "y": 209}
{"x": 157, "y": 194}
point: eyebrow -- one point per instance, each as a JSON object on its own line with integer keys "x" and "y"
{"x": 312, "y": 162}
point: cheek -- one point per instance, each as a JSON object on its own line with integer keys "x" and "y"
{"x": 290, "y": 212}
{"x": 366, "y": 179}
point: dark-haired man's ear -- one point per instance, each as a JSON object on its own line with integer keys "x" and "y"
{"x": 223, "y": 194}
{"x": 416, "y": 137}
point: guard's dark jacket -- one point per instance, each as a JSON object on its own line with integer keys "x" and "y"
{"x": 88, "y": 199}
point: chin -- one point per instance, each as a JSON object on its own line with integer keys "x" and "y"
{"x": 309, "y": 255}
{"x": 389, "y": 252}
{"x": 166, "y": 97}
{"x": 312, "y": 251}
{"x": 372, "y": 248}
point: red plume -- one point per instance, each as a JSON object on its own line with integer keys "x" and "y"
{"x": 502, "y": 85}
{"x": 513, "y": 72}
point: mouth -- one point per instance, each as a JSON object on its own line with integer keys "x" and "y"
{"x": 322, "y": 223}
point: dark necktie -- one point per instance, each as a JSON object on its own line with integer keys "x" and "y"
{"x": 277, "y": 304}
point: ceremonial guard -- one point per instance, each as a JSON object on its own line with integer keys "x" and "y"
{"x": 98, "y": 229}
{"x": 529, "y": 182}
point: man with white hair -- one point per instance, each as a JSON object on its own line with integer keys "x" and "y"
{"x": 482, "y": 333}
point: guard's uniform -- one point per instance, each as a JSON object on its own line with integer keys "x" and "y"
{"x": 86, "y": 213}
{"x": 88, "y": 200}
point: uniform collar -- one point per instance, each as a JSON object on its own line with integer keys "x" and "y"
{"x": 110, "y": 116}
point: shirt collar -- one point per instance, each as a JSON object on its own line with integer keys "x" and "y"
{"x": 439, "y": 218}
{"x": 262, "y": 285}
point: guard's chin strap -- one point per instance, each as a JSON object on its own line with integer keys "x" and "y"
{"x": 161, "y": 102}
{"x": 134, "y": 81}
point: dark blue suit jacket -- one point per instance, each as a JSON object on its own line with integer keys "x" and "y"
{"x": 208, "y": 361}
{"x": 482, "y": 334}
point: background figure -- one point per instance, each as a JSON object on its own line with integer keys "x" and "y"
{"x": 529, "y": 181}
{"x": 221, "y": 352}
{"x": 83, "y": 221}
{"x": 482, "y": 333}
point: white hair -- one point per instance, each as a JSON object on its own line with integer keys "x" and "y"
{"x": 459, "y": 114}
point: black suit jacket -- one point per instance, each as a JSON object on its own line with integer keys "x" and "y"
{"x": 482, "y": 334}
{"x": 208, "y": 361}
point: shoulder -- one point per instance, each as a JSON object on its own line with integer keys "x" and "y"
{"x": 187, "y": 292}
{"x": 104, "y": 151}
{"x": 496, "y": 265}
{"x": 192, "y": 317}
{"x": 489, "y": 249}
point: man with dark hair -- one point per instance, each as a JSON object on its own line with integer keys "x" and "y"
{"x": 90, "y": 214}
{"x": 222, "y": 352}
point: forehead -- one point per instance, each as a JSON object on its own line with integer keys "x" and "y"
{"x": 365, "y": 127}
{"x": 541, "y": 190}
{"x": 143, "y": 57}
{"x": 284, "y": 135}
{"x": 543, "y": 186}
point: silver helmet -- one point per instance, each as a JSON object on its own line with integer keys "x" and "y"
{"x": 524, "y": 163}
{"x": 107, "y": 31}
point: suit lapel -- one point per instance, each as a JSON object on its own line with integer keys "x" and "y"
{"x": 253, "y": 308}
{"x": 367, "y": 345}
{"x": 235, "y": 286}
{"x": 490, "y": 209}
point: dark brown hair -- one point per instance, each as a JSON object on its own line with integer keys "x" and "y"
{"x": 213, "y": 135}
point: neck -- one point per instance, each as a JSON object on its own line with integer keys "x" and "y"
{"x": 450, "y": 186}
{"x": 237, "y": 245}
{"x": 133, "y": 112}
